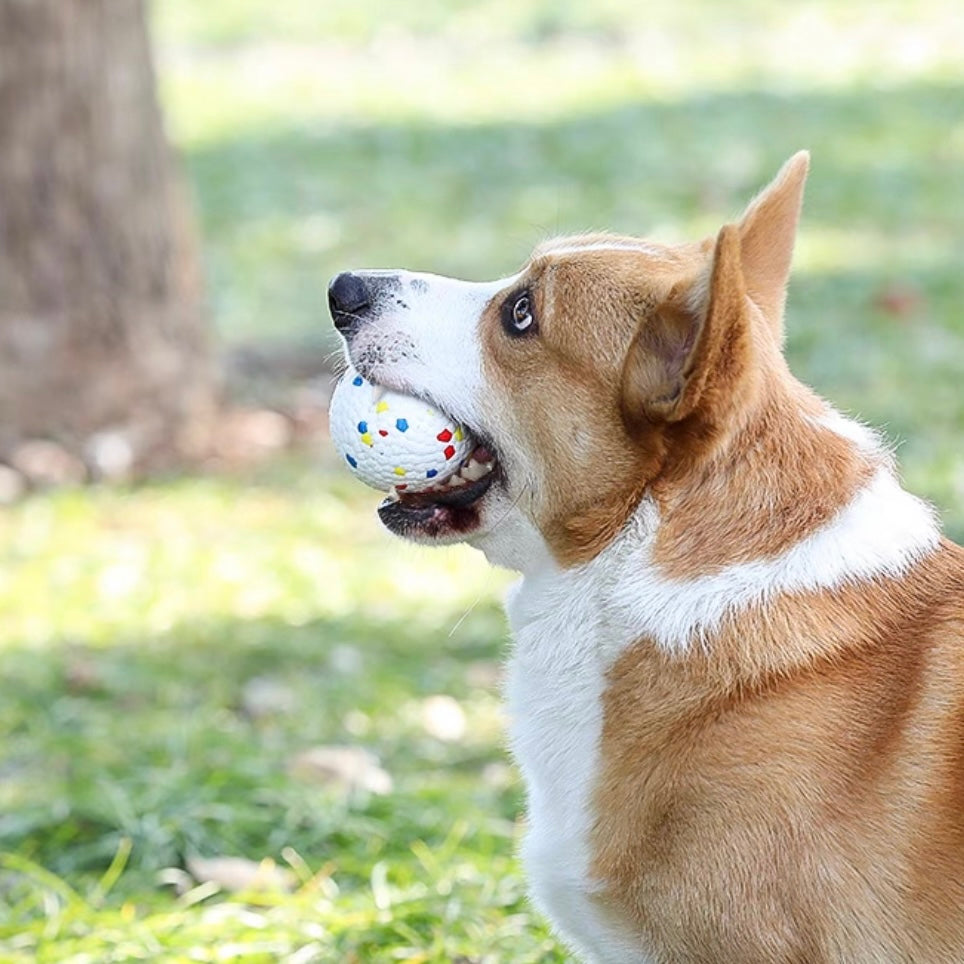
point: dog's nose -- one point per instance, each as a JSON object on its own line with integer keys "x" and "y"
{"x": 348, "y": 297}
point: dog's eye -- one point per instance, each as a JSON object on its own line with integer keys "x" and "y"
{"x": 517, "y": 316}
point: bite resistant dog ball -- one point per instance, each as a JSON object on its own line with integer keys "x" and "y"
{"x": 392, "y": 440}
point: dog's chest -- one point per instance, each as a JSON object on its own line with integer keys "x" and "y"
{"x": 556, "y": 680}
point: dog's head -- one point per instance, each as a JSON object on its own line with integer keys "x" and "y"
{"x": 605, "y": 367}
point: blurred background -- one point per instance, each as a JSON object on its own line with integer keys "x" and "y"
{"x": 238, "y": 721}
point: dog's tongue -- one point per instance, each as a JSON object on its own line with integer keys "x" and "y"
{"x": 482, "y": 454}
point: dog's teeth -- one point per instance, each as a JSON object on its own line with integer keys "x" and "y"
{"x": 456, "y": 481}
{"x": 473, "y": 471}
{"x": 393, "y": 495}
{"x": 476, "y": 470}
{"x": 377, "y": 392}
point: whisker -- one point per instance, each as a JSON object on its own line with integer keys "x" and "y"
{"x": 505, "y": 515}
{"x": 465, "y": 615}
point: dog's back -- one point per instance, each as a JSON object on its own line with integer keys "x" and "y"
{"x": 809, "y": 812}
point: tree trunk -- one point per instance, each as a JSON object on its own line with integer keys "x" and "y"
{"x": 102, "y": 330}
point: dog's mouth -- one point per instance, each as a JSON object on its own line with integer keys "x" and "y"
{"x": 451, "y": 508}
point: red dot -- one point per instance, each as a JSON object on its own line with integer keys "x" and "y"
{"x": 445, "y": 436}
{"x": 382, "y": 432}
{"x": 449, "y": 451}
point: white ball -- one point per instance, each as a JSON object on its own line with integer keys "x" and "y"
{"x": 388, "y": 439}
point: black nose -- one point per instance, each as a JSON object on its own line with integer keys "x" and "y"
{"x": 348, "y": 297}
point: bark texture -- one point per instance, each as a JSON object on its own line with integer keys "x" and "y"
{"x": 102, "y": 329}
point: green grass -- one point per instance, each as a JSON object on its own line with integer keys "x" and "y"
{"x": 453, "y": 136}
{"x": 138, "y": 626}
{"x": 135, "y": 624}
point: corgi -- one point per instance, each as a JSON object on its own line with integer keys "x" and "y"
{"x": 736, "y": 684}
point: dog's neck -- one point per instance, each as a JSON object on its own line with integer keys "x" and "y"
{"x": 777, "y": 474}
{"x": 514, "y": 542}
{"x": 816, "y": 509}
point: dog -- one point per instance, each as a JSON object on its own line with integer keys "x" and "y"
{"x": 736, "y": 687}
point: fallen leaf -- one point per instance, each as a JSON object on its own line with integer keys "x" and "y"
{"x": 346, "y": 767}
{"x": 899, "y": 300}
{"x": 239, "y": 874}
{"x": 12, "y": 485}
{"x": 443, "y": 718}
{"x": 263, "y": 696}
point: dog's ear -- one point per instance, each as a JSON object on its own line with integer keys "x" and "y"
{"x": 768, "y": 230}
{"x": 691, "y": 344}
{"x": 697, "y": 343}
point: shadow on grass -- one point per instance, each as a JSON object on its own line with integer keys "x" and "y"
{"x": 290, "y": 207}
{"x": 152, "y": 738}
{"x": 472, "y": 199}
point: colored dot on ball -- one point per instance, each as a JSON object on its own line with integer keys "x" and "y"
{"x": 399, "y": 470}
{"x": 367, "y": 438}
{"x": 351, "y": 461}
{"x": 444, "y": 436}
{"x": 401, "y": 424}
{"x": 449, "y": 451}
{"x": 382, "y": 432}
{"x": 381, "y": 407}
{"x": 458, "y": 435}
{"x": 363, "y": 427}
{"x": 358, "y": 380}
{"x": 431, "y": 473}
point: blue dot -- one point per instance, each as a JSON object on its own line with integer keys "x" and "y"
{"x": 363, "y": 427}
{"x": 358, "y": 380}
{"x": 431, "y": 473}
{"x": 401, "y": 424}
{"x": 351, "y": 461}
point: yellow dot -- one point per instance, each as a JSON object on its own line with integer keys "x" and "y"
{"x": 399, "y": 470}
{"x": 381, "y": 407}
{"x": 367, "y": 438}
{"x": 458, "y": 435}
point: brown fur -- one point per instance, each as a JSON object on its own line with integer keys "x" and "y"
{"x": 667, "y": 358}
{"x": 793, "y": 791}
{"x": 778, "y": 479}
{"x": 562, "y": 389}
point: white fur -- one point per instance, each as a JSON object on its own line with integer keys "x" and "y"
{"x": 563, "y": 647}
{"x": 880, "y": 534}
{"x": 423, "y": 339}
{"x": 571, "y": 625}
{"x": 863, "y": 436}
{"x": 643, "y": 247}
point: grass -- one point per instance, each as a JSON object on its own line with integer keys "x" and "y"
{"x": 452, "y": 136}
{"x": 135, "y": 738}
{"x": 171, "y": 651}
